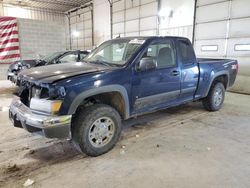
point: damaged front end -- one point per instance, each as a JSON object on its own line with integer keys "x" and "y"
{"x": 36, "y": 108}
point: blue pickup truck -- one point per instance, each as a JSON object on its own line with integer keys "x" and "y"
{"x": 122, "y": 78}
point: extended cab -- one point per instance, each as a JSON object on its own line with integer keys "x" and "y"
{"x": 122, "y": 78}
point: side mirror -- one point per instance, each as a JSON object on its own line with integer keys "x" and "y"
{"x": 147, "y": 63}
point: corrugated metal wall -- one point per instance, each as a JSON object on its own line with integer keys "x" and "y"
{"x": 101, "y": 21}
{"x": 134, "y": 18}
{"x": 222, "y": 30}
{"x": 30, "y": 13}
{"x": 176, "y": 18}
{"x": 81, "y": 28}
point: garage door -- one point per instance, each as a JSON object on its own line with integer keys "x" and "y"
{"x": 222, "y": 30}
{"x": 134, "y": 18}
{"x": 81, "y": 29}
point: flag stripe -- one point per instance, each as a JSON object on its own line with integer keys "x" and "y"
{"x": 9, "y": 45}
{"x": 8, "y": 30}
{"x": 9, "y": 37}
{"x": 14, "y": 40}
{"x": 5, "y": 19}
{"x": 10, "y": 56}
{"x": 8, "y": 26}
{"x": 9, "y": 41}
{"x": 9, "y": 48}
{"x": 8, "y": 34}
{"x": 9, "y": 52}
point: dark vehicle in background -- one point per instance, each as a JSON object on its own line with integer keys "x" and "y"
{"x": 120, "y": 79}
{"x": 54, "y": 58}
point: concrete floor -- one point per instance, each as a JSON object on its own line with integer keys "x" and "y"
{"x": 179, "y": 147}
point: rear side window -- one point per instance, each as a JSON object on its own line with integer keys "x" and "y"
{"x": 186, "y": 52}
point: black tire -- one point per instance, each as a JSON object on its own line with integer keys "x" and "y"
{"x": 209, "y": 102}
{"x": 85, "y": 120}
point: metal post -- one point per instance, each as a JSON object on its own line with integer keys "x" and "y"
{"x": 92, "y": 24}
{"x": 194, "y": 22}
{"x": 70, "y": 42}
{"x": 111, "y": 18}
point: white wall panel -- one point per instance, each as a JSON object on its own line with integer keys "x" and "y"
{"x": 40, "y": 37}
{"x": 88, "y": 42}
{"x": 234, "y": 32}
{"x": 240, "y": 8}
{"x": 118, "y": 5}
{"x": 147, "y": 1}
{"x": 32, "y": 13}
{"x": 212, "y": 12}
{"x": 88, "y": 33}
{"x": 148, "y": 23}
{"x": 132, "y": 13}
{"x": 101, "y": 21}
{"x": 73, "y": 19}
{"x": 130, "y": 4}
{"x": 220, "y": 43}
{"x": 135, "y": 17}
{"x": 118, "y": 17}
{"x": 132, "y": 34}
{"x": 211, "y": 30}
{"x": 118, "y": 28}
{"x": 131, "y": 26}
{"x": 240, "y": 28}
{"x": 81, "y": 23}
{"x": 238, "y": 53}
{"x": 87, "y": 15}
{"x": 87, "y": 24}
{"x": 185, "y": 31}
{"x": 207, "y": 2}
{"x": 148, "y": 33}
{"x": 149, "y": 9}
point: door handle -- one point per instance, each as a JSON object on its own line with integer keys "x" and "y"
{"x": 175, "y": 73}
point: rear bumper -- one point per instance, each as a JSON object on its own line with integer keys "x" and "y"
{"x": 50, "y": 126}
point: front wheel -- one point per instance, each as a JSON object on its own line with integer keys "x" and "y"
{"x": 96, "y": 129}
{"x": 215, "y": 98}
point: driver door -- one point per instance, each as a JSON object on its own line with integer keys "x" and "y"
{"x": 158, "y": 87}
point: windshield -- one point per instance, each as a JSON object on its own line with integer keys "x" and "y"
{"x": 49, "y": 58}
{"x": 115, "y": 52}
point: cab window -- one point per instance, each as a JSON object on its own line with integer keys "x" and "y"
{"x": 162, "y": 54}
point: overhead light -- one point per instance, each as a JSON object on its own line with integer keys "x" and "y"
{"x": 76, "y": 34}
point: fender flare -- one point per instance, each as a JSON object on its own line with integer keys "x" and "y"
{"x": 217, "y": 74}
{"x": 104, "y": 89}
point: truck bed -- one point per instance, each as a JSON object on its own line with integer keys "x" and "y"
{"x": 210, "y": 68}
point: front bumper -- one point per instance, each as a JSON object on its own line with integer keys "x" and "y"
{"x": 50, "y": 126}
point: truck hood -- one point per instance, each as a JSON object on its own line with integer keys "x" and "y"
{"x": 52, "y": 73}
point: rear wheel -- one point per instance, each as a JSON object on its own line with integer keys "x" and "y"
{"x": 215, "y": 98}
{"x": 96, "y": 129}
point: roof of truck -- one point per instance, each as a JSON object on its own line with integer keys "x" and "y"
{"x": 150, "y": 37}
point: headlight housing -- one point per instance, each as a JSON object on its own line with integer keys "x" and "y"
{"x": 45, "y": 105}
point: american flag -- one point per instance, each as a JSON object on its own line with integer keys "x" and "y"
{"x": 9, "y": 42}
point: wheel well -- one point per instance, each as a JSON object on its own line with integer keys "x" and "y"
{"x": 113, "y": 99}
{"x": 223, "y": 79}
